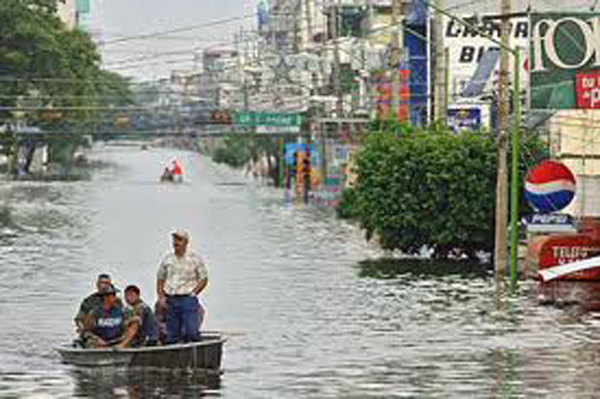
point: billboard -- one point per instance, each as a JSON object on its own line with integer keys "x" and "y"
{"x": 467, "y": 48}
{"x": 562, "y": 45}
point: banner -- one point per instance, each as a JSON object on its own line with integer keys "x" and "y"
{"x": 562, "y": 44}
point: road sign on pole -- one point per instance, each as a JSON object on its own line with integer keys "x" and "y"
{"x": 255, "y": 119}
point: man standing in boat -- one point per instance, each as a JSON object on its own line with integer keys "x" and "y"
{"x": 182, "y": 276}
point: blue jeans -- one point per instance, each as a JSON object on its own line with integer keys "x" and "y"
{"x": 183, "y": 319}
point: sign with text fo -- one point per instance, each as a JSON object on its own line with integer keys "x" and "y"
{"x": 588, "y": 90}
{"x": 257, "y": 119}
{"x": 562, "y": 45}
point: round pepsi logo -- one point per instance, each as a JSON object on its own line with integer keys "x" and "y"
{"x": 549, "y": 187}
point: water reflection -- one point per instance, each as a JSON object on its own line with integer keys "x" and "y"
{"x": 106, "y": 382}
{"x": 392, "y": 268}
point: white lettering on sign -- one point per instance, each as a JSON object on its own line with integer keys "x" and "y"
{"x": 550, "y": 219}
{"x": 545, "y": 43}
{"x": 568, "y": 254}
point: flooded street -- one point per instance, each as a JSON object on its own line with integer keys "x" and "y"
{"x": 305, "y": 316}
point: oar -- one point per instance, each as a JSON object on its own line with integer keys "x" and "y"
{"x": 569, "y": 268}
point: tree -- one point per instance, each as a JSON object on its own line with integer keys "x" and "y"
{"x": 54, "y": 74}
{"x": 429, "y": 189}
{"x": 237, "y": 151}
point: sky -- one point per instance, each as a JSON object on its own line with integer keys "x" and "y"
{"x": 146, "y": 59}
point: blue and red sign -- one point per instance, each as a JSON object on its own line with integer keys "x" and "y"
{"x": 549, "y": 187}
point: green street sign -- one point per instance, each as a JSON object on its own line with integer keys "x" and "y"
{"x": 256, "y": 119}
{"x": 562, "y": 44}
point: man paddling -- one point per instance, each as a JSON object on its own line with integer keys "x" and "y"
{"x": 182, "y": 276}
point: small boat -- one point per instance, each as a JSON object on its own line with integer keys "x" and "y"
{"x": 204, "y": 355}
{"x": 171, "y": 178}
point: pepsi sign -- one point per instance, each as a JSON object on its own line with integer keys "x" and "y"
{"x": 549, "y": 187}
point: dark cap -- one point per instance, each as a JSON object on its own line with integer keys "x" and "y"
{"x": 104, "y": 276}
{"x": 109, "y": 290}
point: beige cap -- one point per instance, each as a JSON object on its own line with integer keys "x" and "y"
{"x": 181, "y": 234}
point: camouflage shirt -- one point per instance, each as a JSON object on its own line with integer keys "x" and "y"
{"x": 87, "y": 308}
{"x": 148, "y": 330}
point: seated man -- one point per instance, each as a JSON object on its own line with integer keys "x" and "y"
{"x": 148, "y": 326}
{"x": 111, "y": 324}
{"x": 93, "y": 301}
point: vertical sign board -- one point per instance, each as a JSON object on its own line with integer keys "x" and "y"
{"x": 418, "y": 63}
{"x": 384, "y": 100}
{"x": 562, "y": 45}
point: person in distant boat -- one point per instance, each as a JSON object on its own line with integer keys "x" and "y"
{"x": 112, "y": 325}
{"x": 93, "y": 301}
{"x": 167, "y": 175}
{"x": 182, "y": 276}
{"x": 148, "y": 332}
{"x": 177, "y": 171}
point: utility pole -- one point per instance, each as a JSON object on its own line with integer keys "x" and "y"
{"x": 309, "y": 25}
{"x": 337, "y": 85}
{"x": 397, "y": 44}
{"x": 440, "y": 85}
{"x": 500, "y": 249}
{"x": 336, "y": 60}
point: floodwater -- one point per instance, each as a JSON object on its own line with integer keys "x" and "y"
{"x": 305, "y": 315}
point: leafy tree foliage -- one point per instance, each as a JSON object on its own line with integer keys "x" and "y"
{"x": 238, "y": 151}
{"x": 429, "y": 189}
{"x": 52, "y": 72}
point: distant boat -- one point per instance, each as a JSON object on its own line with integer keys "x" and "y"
{"x": 204, "y": 355}
{"x": 171, "y": 178}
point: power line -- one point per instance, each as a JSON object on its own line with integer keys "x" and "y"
{"x": 152, "y": 35}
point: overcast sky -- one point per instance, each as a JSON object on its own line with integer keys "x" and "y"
{"x": 111, "y": 19}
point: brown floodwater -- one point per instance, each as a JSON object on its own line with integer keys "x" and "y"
{"x": 307, "y": 315}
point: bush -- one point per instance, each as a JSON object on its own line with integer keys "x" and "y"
{"x": 429, "y": 189}
{"x": 233, "y": 153}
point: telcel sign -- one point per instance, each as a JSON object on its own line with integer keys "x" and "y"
{"x": 561, "y": 45}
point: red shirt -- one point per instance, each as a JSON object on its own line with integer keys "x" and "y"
{"x": 177, "y": 170}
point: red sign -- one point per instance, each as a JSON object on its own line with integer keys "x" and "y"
{"x": 588, "y": 90}
{"x": 560, "y": 250}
